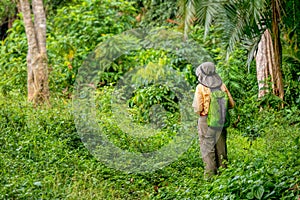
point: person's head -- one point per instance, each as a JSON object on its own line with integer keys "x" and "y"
{"x": 207, "y": 76}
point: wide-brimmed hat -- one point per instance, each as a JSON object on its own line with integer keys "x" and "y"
{"x": 207, "y": 76}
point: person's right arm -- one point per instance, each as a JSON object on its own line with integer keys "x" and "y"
{"x": 198, "y": 100}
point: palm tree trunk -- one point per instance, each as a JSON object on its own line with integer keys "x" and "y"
{"x": 277, "y": 49}
{"x": 268, "y": 58}
{"x": 262, "y": 66}
{"x": 267, "y": 65}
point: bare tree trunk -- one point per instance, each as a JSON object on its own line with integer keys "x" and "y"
{"x": 264, "y": 64}
{"x": 267, "y": 66}
{"x": 37, "y": 66}
{"x": 262, "y": 67}
{"x": 268, "y": 57}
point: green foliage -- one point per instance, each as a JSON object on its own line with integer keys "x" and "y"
{"x": 232, "y": 70}
{"x": 112, "y": 126}
{"x": 157, "y": 13}
{"x": 71, "y": 34}
{"x": 43, "y": 157}
{"x": 149, "y": 92}
{"x": 13, "y": 68}
{"x": 292, "y": 86}
{"x": 243, "y": 22}
{"x": 150, "y": 102}
{"x": 7, "y": 10}
{"x": 51, "y": 6}
{"x": 150, "y": 88}
{"x": 291, "y": 26}
{"x": 259, "y": 173}
{"x": 291, "y": 53}
{"x": 76, "y": 30}
{"x": 145, "y": 98}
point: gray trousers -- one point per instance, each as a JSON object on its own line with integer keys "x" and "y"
{"x": 213, "y": 146}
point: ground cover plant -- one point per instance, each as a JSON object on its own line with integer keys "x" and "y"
{"x": 42, "y": 157}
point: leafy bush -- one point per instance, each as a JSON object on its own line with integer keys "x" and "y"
{"x": 291, "y": 86}
{"x": 76, "y": 30}
{"x": 156, "y": 13}
{"x": 7, "y": 10}
{"x": 72, "y": 33}
{"x": 13, "y": 68}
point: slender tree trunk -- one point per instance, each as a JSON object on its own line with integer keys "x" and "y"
{"x": 11, "y": 19}
{"x": 37, "y": 66}
{"x": 277, "y": 49}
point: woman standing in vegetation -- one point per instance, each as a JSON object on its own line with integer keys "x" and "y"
{"x": 212, "y": 140}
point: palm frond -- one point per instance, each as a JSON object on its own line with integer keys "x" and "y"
{"x": 190, "y": 13}
{"x": 251, "y": 45}
{"x": 187, "y": 13}
{"x": 207, "y": 11}
{"x": 244, "y": 22}
{"x": 291, "y": 55}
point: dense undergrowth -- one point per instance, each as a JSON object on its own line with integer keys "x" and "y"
{"x": 42, "y": 157}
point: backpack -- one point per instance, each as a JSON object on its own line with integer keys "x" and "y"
{"x": 218, "y": 115}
